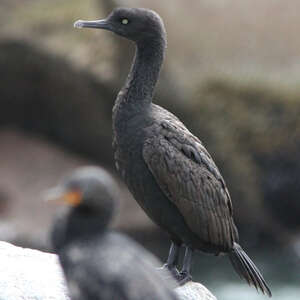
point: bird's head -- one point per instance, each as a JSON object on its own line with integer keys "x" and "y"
{"x": 89, "y": 191}
{"x": 136, "y": 24}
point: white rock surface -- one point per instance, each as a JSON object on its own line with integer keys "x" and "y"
{"x": 194, "y": 291}
{"x": 27, "y": 274}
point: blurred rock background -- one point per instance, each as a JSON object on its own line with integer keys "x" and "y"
{"x": 231, "y": 74}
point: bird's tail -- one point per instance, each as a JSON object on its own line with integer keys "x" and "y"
{"x": 246, "y": 269}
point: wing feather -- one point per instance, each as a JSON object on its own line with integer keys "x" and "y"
{"x": 187, "y": 175}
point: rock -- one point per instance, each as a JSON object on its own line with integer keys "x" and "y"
{"x": 257, "y": 126}
{"x": 44, "y": 94}
{"x": 30, "y": 275}
{"x": 194, "y": 291}
{"x": 34, "y": 275}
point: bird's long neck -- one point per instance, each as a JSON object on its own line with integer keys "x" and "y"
{"x": 143, "y": 76}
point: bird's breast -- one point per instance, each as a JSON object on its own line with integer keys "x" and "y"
{"x": 128, "y": 139}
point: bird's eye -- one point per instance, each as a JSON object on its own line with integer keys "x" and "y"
{"x": 124, "y": 21}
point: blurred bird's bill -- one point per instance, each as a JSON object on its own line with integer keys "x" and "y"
{"x": 62, "y": 195}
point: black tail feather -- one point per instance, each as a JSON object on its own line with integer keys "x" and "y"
{"x": 246, "y": 269}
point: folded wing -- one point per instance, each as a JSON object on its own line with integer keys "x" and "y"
{"x": 187, "y": 175}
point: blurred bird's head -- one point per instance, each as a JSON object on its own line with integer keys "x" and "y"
{"x": 89, "y": 191}
{"x": 136, "y": 24}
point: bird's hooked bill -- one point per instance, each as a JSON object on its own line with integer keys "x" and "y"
{"x": 103, "y": 24}
{"x": 78, "y": 24}
{"x": 61, "y": 195}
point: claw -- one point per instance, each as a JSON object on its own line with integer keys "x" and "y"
{"x": 183, "y": 278}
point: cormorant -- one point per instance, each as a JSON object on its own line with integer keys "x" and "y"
{"x": 100, "y": 264}
{"x": 167, "y": 169}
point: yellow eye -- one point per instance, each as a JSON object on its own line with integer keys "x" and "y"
{"x": 125, "y": 21}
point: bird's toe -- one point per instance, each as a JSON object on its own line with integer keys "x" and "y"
{"x": 184, "y": 277}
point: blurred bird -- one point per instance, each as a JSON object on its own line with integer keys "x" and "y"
{"x": 166, "y": 167}
{"x": 99, "y": 264}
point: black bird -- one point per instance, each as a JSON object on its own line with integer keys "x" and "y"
{"x": 167, "y": 168}
{"x": 100, "y": 264}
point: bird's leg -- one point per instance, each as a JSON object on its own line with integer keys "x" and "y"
{"x": 185, "y": 275}
{"x": 172, "y": 260}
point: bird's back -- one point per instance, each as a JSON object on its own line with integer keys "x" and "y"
{"x": 113, "y": 267}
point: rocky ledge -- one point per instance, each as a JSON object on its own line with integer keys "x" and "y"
{"x": 34, "y": 275}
